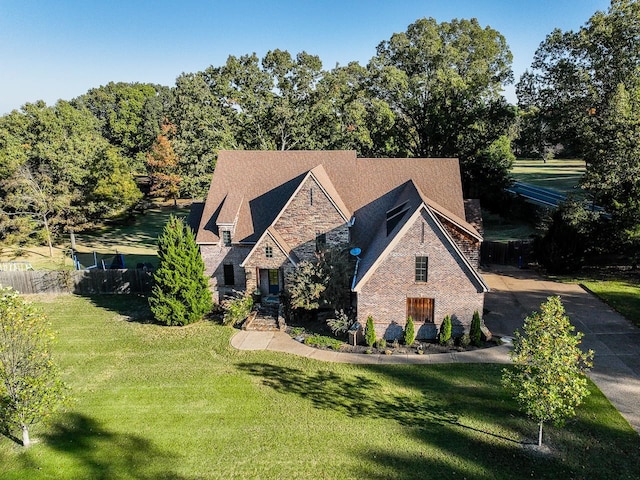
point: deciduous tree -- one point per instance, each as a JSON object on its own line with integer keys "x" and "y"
{"x": 443, "y": 83}
{"x": 585, "y": 86}
{"x": 162, "y": 165}
{"x": 548, "y": 376}
{"x": 305, "y": 285}
{"x": 54, "y": 168}
{"x": 30, "y": 385}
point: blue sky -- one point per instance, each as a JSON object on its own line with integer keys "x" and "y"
{"x": 60, "y": 49}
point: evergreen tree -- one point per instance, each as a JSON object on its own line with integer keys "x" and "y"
{"x": 370, "y": 332}
{"x": 445, "y": 330}
{"x": 475, "y": 333}
{"x": 409, "y": 332}
{"x": 181, "y": 293}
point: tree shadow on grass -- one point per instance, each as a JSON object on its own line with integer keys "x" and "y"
{"x": 132, "y": 308}
{"x": 449, "y": 418}
{"x": 356, "y": 396}
{"x": 107, "y": 455}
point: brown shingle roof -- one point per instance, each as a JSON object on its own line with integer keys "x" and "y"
{"x": 383, "y": 240}
{"x": 253, "y": 186}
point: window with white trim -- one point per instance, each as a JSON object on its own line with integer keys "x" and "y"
{"x": 422, "y": 268}
{"x": 226, "y": 238}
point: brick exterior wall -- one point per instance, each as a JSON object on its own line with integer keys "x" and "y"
{"x": 308, "y": 213}
{"x": 384, "y": 295}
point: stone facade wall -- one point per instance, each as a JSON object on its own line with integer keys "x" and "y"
{"x": 311, "y": 212}
{"x": 215, "y": 257}
{"x": 259, "y": 260}
{"x": 384, "y": 295}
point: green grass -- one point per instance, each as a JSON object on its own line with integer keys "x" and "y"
{"x": 136, "y": 240}
{"x": 621, "y": 295}
{"x": 559, "y": 175}
{"x": 500, "y": 229}
{"x": 179, "y": 403}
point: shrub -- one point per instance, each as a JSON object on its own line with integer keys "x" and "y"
{"x": 340, "y": 324}
{"x": 295, "y": 331}
{"x": 445, "y": 331}
{"x": 409, "y": 332}
{"x": 370, "y": 332}
{"x": 305, "y": 285}
{"x": 381, "y": 343}
{"x": 465, "y": 340}
{"x": 322, "y": 341}
{"x": 475, "y": 333}
{"x": 236, "y": 309}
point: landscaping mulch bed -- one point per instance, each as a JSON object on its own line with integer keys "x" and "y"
{"x": 391, "y": 348}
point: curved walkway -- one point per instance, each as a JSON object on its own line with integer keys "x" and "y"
{"x": 282, "y": 342}
{"x": 514, "y": 294}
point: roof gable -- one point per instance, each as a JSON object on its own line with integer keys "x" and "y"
{"x": 254, "y": 186}
{"x": 383, "y": 245}
{"x": 277, "y": 239}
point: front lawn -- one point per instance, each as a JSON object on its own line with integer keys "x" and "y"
{"x": 180, "y": 403}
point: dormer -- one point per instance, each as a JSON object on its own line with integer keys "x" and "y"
{"x": 227, "y": 221}
{"x": 395, "y": 215}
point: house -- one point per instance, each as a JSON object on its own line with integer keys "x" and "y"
{"x": 266, "y": 211}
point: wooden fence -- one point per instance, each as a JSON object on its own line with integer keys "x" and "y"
{"x": 81, "y": 282}
{"x": 512, "y": 253}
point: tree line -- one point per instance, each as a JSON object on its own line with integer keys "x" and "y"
{"x": 581, "y": 98}
{"x": 434, "y": 90}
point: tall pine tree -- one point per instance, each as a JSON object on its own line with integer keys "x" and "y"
{"x": 180, "y": 294}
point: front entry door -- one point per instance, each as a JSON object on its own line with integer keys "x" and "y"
{"x": 274, "y": 282}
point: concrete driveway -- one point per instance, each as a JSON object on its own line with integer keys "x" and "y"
{"x": 516, "y": 293}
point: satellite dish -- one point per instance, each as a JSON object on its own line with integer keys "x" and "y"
{"x": 355, "y": 251}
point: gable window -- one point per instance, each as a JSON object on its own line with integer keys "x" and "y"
{"x": 268, "y": 251}
{"x": 229, "y": 277}
{"x": 321, "y": 241}
{"x": 422, "y": 267}
{"x": 226, "y": 238}
{"x": 420, "y": 309}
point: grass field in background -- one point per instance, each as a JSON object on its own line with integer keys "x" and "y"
{"x": 137, "y": 241}
{"x": 499, "y": 229}
{"x": 559, "y": 175}
{"x": 180, "y": 403}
